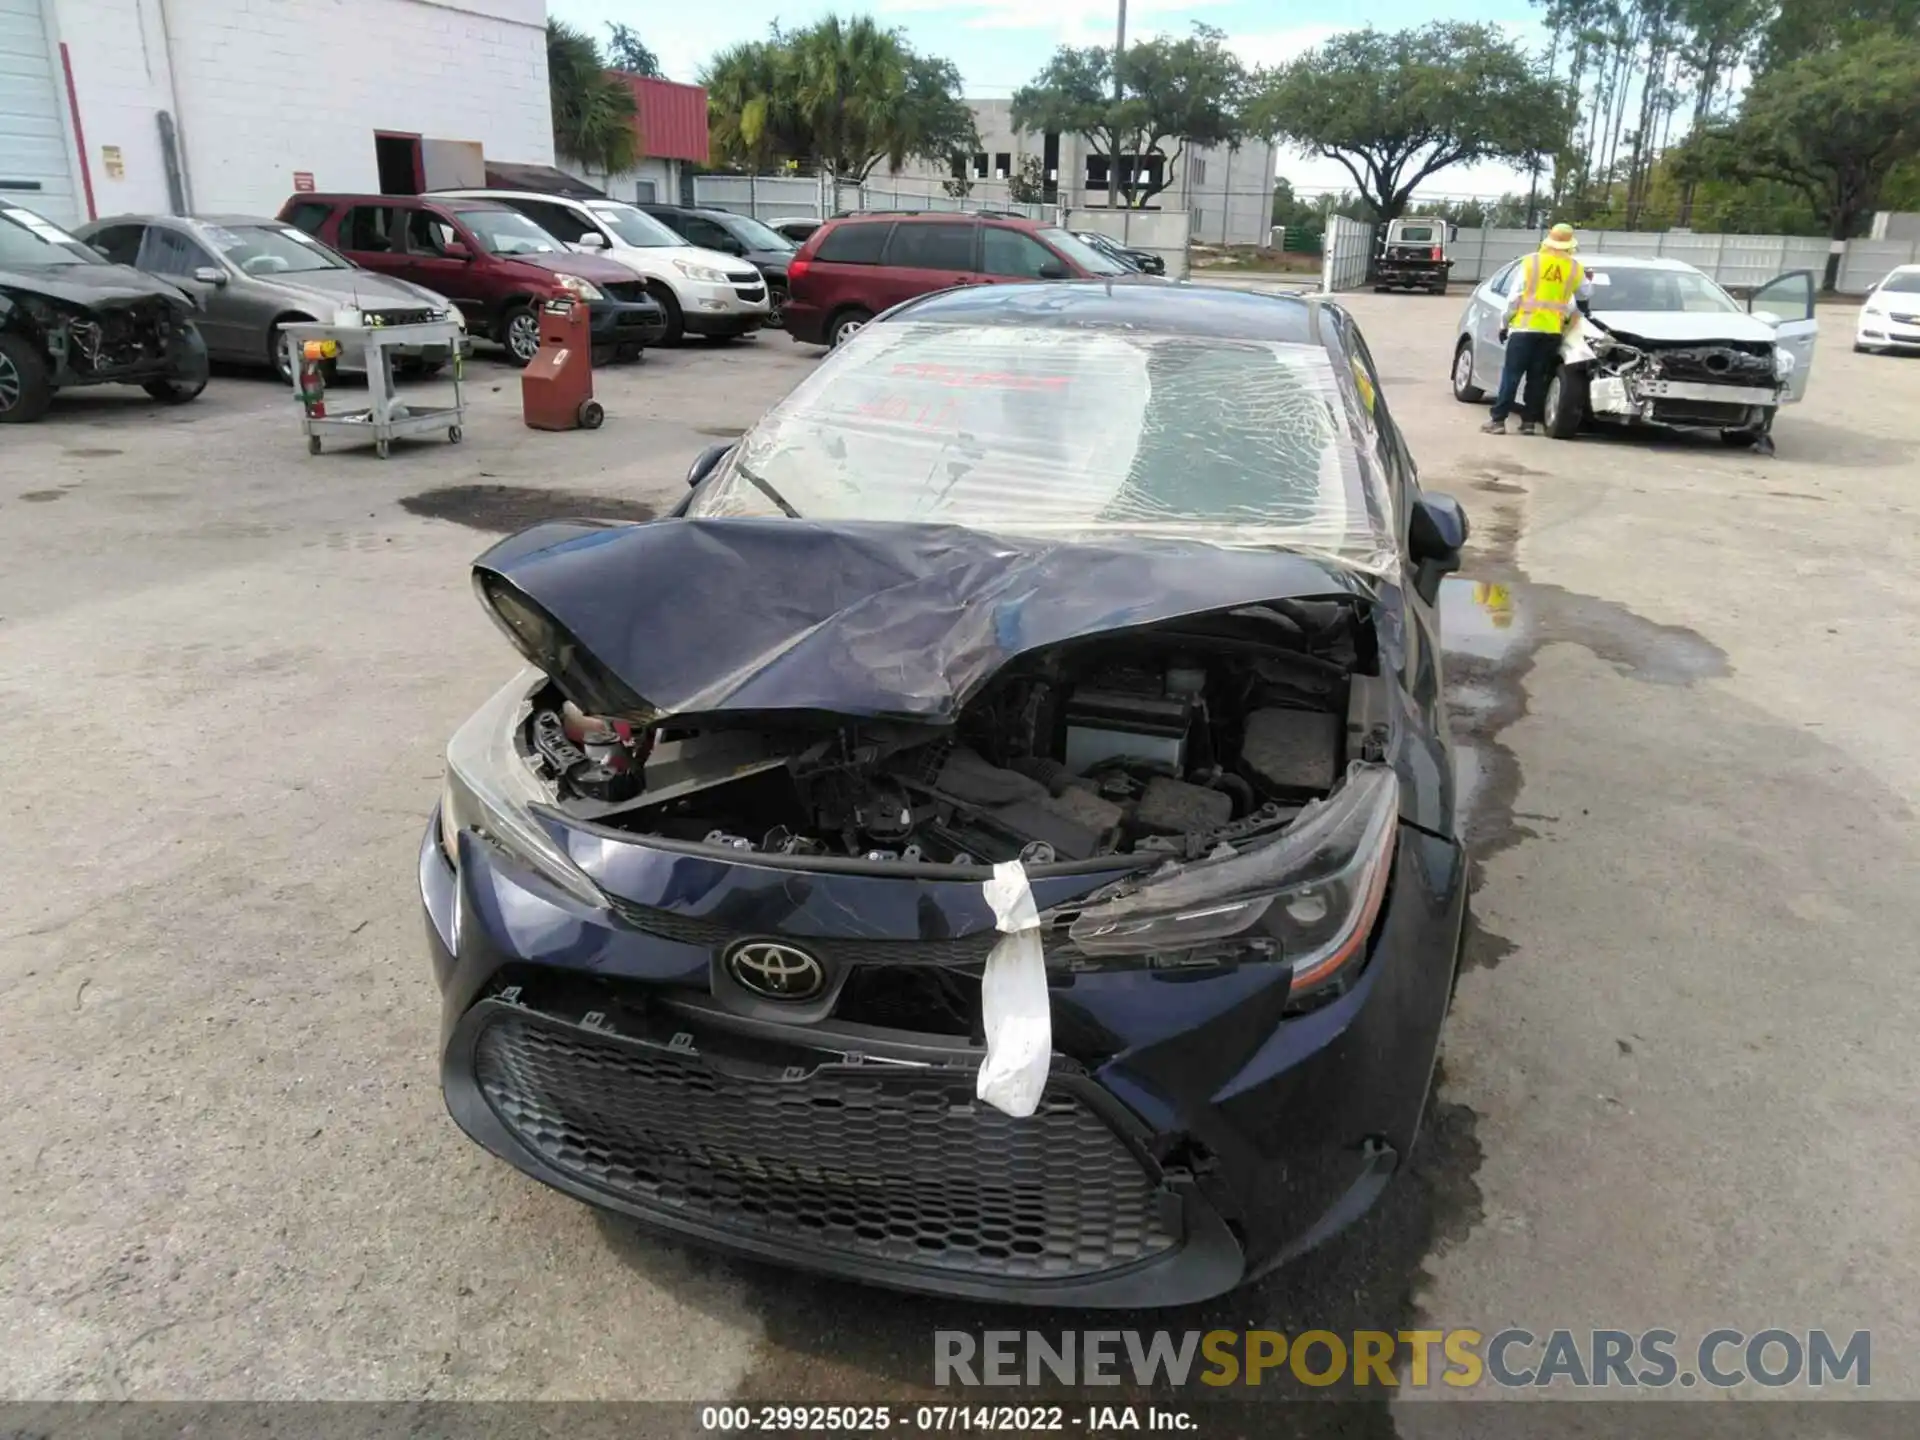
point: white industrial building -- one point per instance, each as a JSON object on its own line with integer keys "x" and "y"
{"x": 116, "y": 106}
{"x": 1228, "y": 190}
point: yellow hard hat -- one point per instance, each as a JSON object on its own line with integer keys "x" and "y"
{"x": 1560, "y": 237}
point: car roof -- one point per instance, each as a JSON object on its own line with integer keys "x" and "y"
{"x": 909, "y": 217}
{"x": 478, "y": 200}
{"x": 1199, "y": 310}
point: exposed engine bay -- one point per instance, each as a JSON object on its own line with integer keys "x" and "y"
{"x": 1165, "y": 741}
{"x": 1720, "y": 384}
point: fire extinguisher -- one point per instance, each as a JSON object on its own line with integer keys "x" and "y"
{"x": 313, "y": 381}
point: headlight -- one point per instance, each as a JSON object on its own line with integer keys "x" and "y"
{"x": 1313, "y": 894}
{"x": 704, "y": 273}
{"x": 1873, "y": 307}
{"x": 490, "y": 788}
{"x": 1782, "y": 361}
{"x": 585, "y": 289}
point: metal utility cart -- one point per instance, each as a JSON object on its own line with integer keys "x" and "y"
{"x": 386, "y": 416}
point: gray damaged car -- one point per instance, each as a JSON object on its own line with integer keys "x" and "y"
{"x": 252, "y": 276}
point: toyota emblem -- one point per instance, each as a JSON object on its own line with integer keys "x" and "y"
{"x": 776, "y": 971}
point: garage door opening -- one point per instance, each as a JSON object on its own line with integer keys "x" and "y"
{"x": 401, "y": 169}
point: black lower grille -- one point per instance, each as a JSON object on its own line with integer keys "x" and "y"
{"x": 1707, "y": 413}
{"x": 751, "y": 293}
{"x": 876, "y": 1162}
{"x": 629, "y": 291}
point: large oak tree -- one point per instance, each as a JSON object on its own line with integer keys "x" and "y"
{"x": 1395, "y": 109}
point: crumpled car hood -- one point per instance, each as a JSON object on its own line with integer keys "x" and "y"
{"x": 89, "y": 285}
{"x": 1682, "y": 327}
{"x": 860, "y": 618}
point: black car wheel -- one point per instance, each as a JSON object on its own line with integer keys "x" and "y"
{"x": 676, "y": 322}
{"x": 26, "y": 389}
{"x": 1464, "y": 390}
{"x": 1566, "y": 408}
{"x": 776, "y": 302}
{"x": 520, "y": 333}
{"x": 175, "y": 392}
{"x": 846, "y": 324}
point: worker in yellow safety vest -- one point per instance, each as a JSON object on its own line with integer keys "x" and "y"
{"x": 1541, "y": 298}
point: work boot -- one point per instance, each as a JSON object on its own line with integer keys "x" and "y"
{"x": 1494, "y": 427}
{"x": 1527, "y": 427}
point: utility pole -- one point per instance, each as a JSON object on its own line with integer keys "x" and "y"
{"x": 1113, "y": 159}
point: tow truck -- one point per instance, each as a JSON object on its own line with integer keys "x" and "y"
{"x": 1412, "y": 255}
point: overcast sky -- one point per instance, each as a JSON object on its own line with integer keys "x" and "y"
{"x": 1000, "y": 44}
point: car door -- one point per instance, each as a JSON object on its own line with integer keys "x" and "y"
{"x": 119, "y": 244}
{"x": 1488, "y": 309}
{"x": 371, "y": 237}
{"x": 182, "y": 260}
{"x": 1008, "y": 256}
{"x": 923, "y": 256}
{"x": 1786, "y": 303}
{"x": 441, "y": 258}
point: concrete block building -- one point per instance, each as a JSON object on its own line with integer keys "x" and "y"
{"x": 115, "y": 106}
{"x": 1227, "y": 190}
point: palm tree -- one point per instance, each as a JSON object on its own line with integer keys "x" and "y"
{"x": 593, "y": 111}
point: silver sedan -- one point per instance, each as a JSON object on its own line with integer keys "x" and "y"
{"x": 251, "y": 276}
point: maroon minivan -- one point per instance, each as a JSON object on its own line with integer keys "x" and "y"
{"x": 851, "y": 270}
{"x": 490, "y": 260}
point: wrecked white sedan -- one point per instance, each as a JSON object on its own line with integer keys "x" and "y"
{"x": 1658, "y": 343}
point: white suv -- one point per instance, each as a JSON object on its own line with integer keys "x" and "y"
{"x": 702, "y": 291}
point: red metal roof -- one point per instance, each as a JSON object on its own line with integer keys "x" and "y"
{"x": 673, "y": 118}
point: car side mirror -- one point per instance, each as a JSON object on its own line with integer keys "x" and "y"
{"x": 1436, "y": 534}
{"x": 1053, "y": 270}
{"x": 592, "y": 240}
{"x": 705, "y": 462}
{"x": 210, "y": 275}
{"x": 457, "y": 250}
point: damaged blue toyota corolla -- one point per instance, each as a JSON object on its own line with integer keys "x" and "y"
{"x": 998, "y": 837}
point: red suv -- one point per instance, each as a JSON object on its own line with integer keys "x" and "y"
{"x": 850, "y": 270}
{"x": 490, "y": 260}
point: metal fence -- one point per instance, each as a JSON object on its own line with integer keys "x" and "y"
{"x": 1343, "y": 260}
{"x": 1735, "y": 261}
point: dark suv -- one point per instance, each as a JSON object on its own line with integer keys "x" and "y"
{"x": 851, "y": 270}
{"x": 761, "y": 246}
{"x": 490, "y": 260}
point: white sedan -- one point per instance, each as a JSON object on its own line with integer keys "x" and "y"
{"x": 1890, "y": 318}
{"x": 1662, "y": 345}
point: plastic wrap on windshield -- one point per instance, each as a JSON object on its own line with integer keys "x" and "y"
{"x": 1075, "y": 435}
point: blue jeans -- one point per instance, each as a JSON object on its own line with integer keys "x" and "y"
{"x": 1530, "y": 355}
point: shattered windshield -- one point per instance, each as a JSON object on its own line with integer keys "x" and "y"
{"x": 29, "y": 242}
{"x": 1082, "y": 433}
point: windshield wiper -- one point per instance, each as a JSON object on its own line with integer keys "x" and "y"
{"x": 767, "y": 490}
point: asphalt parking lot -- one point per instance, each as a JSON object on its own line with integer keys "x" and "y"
{"x": 1676, "y": 1087}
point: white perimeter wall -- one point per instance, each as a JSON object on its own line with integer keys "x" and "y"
{"x": 262, "y": 88}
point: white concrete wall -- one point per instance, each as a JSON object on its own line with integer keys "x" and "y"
{"x": 260, "y": 89}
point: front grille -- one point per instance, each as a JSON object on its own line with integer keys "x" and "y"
{"x": 1707, "y": 413}
{"x": 744, "y": 277}
{"x": 751, "y": 294}
{"x": 698, "y": 930}
{"x": 423, "y": 316}
{"x": 870, "y": 1162}
{"x": 629, "y": 291}
{"x": 1905, "y": 319}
